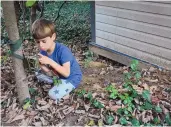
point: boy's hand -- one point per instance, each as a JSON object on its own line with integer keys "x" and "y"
{"x": 44, "y": 59}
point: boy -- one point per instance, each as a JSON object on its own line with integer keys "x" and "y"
{"x": 58, "y": 57}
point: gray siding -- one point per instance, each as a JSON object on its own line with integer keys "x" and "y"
{"x": 138, "y": 29}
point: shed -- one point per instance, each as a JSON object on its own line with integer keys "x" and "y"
{"x": 126, "y": 30}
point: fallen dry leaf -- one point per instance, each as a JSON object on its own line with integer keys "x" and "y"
{"x": 136, "y": 100}
{"x": 116, "y": 120}
{"x": 115, "y": 108}
{"x": 60, "y": 124}
{"x": 11, "y": 115}
{"x": 165, "y": 103}
{"x": 66, "y": 97}
{"x": 102, "y": 72}
{"x": 100, "y": 123}
{"x": 60, "y": 116}
{"x": 32, "y": 113}
{"x": 43, "y": 107}
{"x": 119, "y": 102}
{"x": 37, "y": 124}
{"x": 151, "y": 80}
{"x": 138, "y": 89}
{"x": 80, "y": 111}
{"x": 25, "y": 122}
{"x": 86, "y": 106}
{"x": 155, "y": 99}
{"x": 134, "y": 112}
{"x": 166, "y": 94}
{"x": 97, "y": 86}
{"x": 146, "y": 87}
{"x": 96, "y": 64}
{"x": 42, "y": 102}
{"x": 94, "y": 95}
{"x": 153, "y": 89}
{"x": 80, "y": 118}
{"x": 68, "y": 110}
{"x": 44, "y": 122}
{"x": 165, "y": 110}
{"x": 152, "y": 69}
{"x": 93, "y": 116}
{"x": 18, "y": 117}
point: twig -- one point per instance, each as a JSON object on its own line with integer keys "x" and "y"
{"x": 80, "y": 111}
{"x": 68, "y": 110}
{"x": 60, "y": 116}
{"x": 94, "y": 116}
{"x": 42, "y": 9}
{"x": 80, "y": 118}
{"x": 59, "y": 10}
{"x": 65, "y": 107}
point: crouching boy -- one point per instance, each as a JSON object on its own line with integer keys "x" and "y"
{"x": 57, "y": 58}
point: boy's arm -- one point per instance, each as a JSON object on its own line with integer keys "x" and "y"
{"x": 44, "y": 68}
{"x": 64, "y": 70}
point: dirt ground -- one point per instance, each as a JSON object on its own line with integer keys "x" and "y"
{"x": 71, "y": 111}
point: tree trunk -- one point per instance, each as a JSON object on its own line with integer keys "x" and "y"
{"x": 17, "y": 11}
{"x": 13, "y": 33}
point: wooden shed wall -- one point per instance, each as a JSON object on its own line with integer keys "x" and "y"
{"x": 135, "y": 28}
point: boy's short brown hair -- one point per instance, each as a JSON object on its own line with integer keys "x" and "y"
{"x": 42, "y": 28}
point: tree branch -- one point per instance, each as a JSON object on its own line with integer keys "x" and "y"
{"x": 42, "y": 9}
{"x": 59, "y": 10}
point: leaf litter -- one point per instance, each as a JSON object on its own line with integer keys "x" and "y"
{"x": 89, "y": 105}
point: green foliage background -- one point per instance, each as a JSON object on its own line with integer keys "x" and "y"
{"x": 73, "y": 24}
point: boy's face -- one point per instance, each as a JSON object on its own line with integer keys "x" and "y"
{"x": 45, "y": 43}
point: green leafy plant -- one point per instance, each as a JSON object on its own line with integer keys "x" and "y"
{"x": 131, "y": 101}
{"x": 97, "y": 104}
{"x": 168, "y": 119}
{"x": 88, "y": 58}
{"x": 27, "y": 103}
{"x": 158, "y": 109}
{"x": 109, "y": 119}
{"x": 135, "y": 122}
{"x": 127, "y": 99}
{"x": 156, "y": 121}
{"x": 133, "y": 76}
{"x": 5, "y": 57}
{"x": 147, "y": 105}
{"x": 81, "y": 93}
{"x": 90, "y": 96}
{"x": 120, "y": 111}
{"x": 123, "y": 121}
{"x": 56, "y": 81}
{"x": 113, "y": 91}
{"x": 30, "y": 3}
{"x": 134, "y": 65}
{"x": 146, "y": 95}
{"x": 32, "y": 91}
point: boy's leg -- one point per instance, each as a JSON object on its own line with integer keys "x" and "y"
{"x": 41, "y": 77}
{"x": 58, "y": 92}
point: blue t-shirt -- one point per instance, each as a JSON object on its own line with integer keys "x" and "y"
{"x": 61, "y": 55}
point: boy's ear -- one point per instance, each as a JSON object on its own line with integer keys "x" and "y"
{"x": 54, "y": 36}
